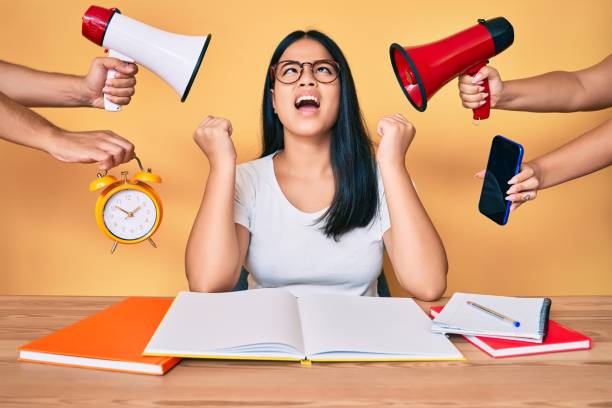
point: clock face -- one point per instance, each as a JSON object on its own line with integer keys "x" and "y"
{"x": 129, "y": 214}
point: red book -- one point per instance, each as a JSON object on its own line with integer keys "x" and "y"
{"x": 559, "y": 338}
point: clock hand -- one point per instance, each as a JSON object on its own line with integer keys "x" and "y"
{"x": 119, "y": 208}
{"x": 130, "y": 214}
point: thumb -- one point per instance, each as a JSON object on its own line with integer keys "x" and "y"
{"x": 480, "y": 174}
{"x": 108, "y": 63}
{"x": 380, "y": 128}
{"x": 484, "y": 73}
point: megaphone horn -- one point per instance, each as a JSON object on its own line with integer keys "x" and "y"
{"x": 173, "y": 57}
{"x": 422, "y": 70}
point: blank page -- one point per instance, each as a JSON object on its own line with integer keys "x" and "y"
{"x": 260, "y": 321}
{"x": 360, "y": 327}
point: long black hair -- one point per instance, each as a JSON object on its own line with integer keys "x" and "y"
{"x": 355, "y": 200}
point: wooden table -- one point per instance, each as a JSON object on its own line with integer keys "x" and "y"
{"x": 572, "y": 379}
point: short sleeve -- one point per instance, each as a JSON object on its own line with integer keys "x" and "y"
{"x": 385, "y": 222}
{"x": 244, "y": 197}
{"x": 383, "y": 209}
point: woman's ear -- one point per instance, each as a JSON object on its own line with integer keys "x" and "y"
{"x": 272, "y": 97}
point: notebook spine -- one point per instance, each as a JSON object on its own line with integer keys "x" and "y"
{"x": 544, "y": 317}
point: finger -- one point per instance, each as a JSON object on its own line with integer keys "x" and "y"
{"x": 395, "y": 121}
{"x": 516, "y": 205}
{"x": 465, "y": 79}
{"x": 115, "y": 150}
{"x": 119, "y": 75}
{"x": 121, "y": 83}
{"x": 470, "y": 89}
{"x": 119, "y": 100}
{"x": 529, "y": 184}
{"x": 480, "y": 174}
{"x": 104, "y": 159}
{"x": 482, "y": 74}
{"x": 526, "y": 172}
{"x": 382, "y": 124}
{"x": 473, "y": 98}
{"x": 128, "y": 69}
{"x": 391, "y": 120}
{"x": 114, "y": 63}
{"x": 110, "y": 91}
{"x": 474, "y": 105}
{"x": 223, "y": 124}
{"x": 380, "y": 127}
{"x": 401, "y": 117}
{"x": 206, "y": 121}
{"x": 128, "y": 147}
{"x": 523, "y": 196}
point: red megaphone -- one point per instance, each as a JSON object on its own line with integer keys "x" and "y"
{"x": 423, "y": 69}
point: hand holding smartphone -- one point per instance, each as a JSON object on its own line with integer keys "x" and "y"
{"x": 504, "y": 163}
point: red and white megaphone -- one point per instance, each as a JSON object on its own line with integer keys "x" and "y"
{"x": 173, "y": 57}
{"x": 423, "y": 69}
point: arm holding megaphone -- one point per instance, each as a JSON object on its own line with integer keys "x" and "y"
{"x": 585, "y": 90}
{"x": 558, "y": 91}
{"x": 33, "y": 88}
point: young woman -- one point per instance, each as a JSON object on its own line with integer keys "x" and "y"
{"x": 316, "y": 211}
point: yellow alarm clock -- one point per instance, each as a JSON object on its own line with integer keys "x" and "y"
{"x": 128, "y": 211}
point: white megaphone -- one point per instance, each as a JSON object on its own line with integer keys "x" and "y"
{"x": 173, "y": 57}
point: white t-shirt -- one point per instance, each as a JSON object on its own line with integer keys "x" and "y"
{"x": 288, "y": 250}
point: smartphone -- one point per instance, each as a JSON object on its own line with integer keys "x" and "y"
{"x": 504, "y": 163}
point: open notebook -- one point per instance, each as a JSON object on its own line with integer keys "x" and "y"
{"x": 460, "y": 318}
{"x": 272, "y": 324}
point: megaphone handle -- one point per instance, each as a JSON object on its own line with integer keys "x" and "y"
{"x": 482, "y": 112}
{"x": 108, "y": 105}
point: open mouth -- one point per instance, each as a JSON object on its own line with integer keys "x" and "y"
{"x": 307, "y": 103}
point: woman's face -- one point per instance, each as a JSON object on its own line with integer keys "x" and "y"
{"x": 306, "y": 107}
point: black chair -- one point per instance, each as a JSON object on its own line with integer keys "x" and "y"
{"x": 383, "y": 288}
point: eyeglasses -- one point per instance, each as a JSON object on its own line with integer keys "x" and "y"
{"x": 289, "y": 72}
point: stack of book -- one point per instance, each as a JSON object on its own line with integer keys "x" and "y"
{"x": 506, "y": 326}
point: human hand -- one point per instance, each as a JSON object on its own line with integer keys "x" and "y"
{"x": 397, "y": 134}
{"x": 524, "y": 186}
{"x": 471, "y": 88}
{"x": 118, "y": 90}
{"x": 213, "y": 136}
{"x": 102, "y": 146}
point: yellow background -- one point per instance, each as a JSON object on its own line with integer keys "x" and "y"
{"x": 559, "y": 245}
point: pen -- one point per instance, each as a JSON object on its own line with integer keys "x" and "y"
{"x": 493, "y": 313}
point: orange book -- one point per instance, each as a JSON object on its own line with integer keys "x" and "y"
{"x": 112, "y": 339}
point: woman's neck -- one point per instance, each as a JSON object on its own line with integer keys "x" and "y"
{"x": 306, "y": 156}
